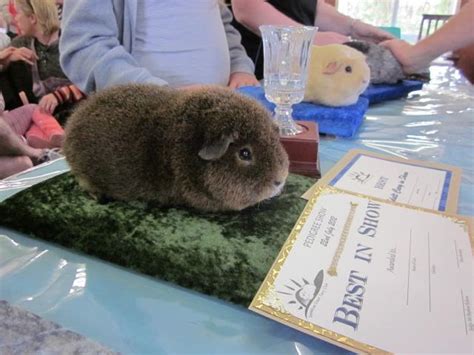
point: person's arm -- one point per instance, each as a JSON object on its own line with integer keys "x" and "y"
{"x": 456, "y": 33}
{"x": 329, "y": 19}
{"x": 254, "y": 13}
{"x": 62, "y": 95}
{"x": 91, "y": 55}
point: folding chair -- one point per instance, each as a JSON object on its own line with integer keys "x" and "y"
{"x": 432, "y": 22}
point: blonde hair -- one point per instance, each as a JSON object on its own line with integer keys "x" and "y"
{"x": 45, "y": 11}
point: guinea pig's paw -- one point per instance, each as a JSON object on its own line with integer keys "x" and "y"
{"x": 278, "y": 189}
{"x": 101, "y": 199}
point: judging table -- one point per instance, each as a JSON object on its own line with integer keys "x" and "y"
{"x": 133, "y": 313}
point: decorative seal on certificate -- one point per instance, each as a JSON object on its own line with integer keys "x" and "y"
{"x": 304, "y": 292}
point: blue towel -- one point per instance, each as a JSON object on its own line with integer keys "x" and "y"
{"x": 338, "y": 121}
{"x": 383, "y": 92}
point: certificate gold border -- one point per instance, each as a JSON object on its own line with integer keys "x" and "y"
{"x": 279, "y": 314}
{"x": 454, "y": 187}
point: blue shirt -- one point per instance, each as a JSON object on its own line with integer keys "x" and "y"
{"x": 98, "y": 38}
{"x": 182, "y": 42}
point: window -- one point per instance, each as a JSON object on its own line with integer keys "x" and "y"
{"x": 405, "y": 14}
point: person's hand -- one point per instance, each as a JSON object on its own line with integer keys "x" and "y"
{"x": 323, "y": 38}
{"x": 238, "y": 79}
{"x": 5, "y": 54}
{"x": 48, "y": 103}
{"x": 364, "y": 31}
{"x": 405, "y": 54}
{"x": 23, "y": 53}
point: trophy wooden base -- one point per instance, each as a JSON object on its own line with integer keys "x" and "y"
{"x": 303, "y": 150}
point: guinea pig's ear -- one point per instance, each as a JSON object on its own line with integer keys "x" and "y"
{"x": 361, "y": 46}
{"x": 217, "y": 148}
{"x": 332, "y": 68}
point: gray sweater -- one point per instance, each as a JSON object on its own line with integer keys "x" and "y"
{"x": 98, "y": 40}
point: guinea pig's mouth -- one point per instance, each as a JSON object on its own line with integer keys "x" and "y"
{"x": 277, "y": 189}
{"x": 364, "y": 85}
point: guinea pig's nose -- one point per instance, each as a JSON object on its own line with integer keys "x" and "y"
{"x": 277, "y": 183}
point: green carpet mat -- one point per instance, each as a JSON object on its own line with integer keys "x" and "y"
{"x": 226, "y": 255}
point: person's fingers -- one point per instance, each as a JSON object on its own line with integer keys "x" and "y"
{"x": 242, "y": 79}
{"x": 26, "y": 55}
{"x": 383, "y": 35}
{"x": 380, "y": 39}
{"x": 386, "y": 44}
{"x": 370, "y": 33}
{"x": 53, "y": 103}
{"x": 393, "y": 43}
{"x": 26, "y": 60}
{"x": 5, "y": 53}
{"x": 19, "y": 56}
{"x": 28, "y": 52}
{"x": 247, "y": 83}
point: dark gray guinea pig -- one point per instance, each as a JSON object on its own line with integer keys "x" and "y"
{"x": 384, "y": 67}
{"x": 210, "y": 149}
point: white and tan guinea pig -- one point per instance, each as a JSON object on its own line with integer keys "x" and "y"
{"x": 337, "y": 75}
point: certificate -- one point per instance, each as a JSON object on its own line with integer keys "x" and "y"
{"x": 372, "y": 276}
{"x": 416, "y": 183}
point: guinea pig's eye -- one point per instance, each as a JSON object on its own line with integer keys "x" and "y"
{"x": 245, "y": 154}
{"x": 348, "y": 69}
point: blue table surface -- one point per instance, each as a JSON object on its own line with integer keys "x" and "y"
{"x": 136, "y": 314}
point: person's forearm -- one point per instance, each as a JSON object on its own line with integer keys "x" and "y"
{"x": 456, "y": 33}
{"x": 329, "y": 19}
{"x": 254, "y": 13}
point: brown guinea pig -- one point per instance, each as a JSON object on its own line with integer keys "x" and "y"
{"x": 209, "y": 148}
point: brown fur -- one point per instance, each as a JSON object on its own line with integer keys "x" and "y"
{"x": 143, "y": 142}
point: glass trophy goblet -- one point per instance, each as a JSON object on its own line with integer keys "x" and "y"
{"x": 286, "y": 54}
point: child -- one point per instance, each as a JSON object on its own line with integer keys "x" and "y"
{"x": 42, "y": 79}
{"x": 42, "y": 133}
